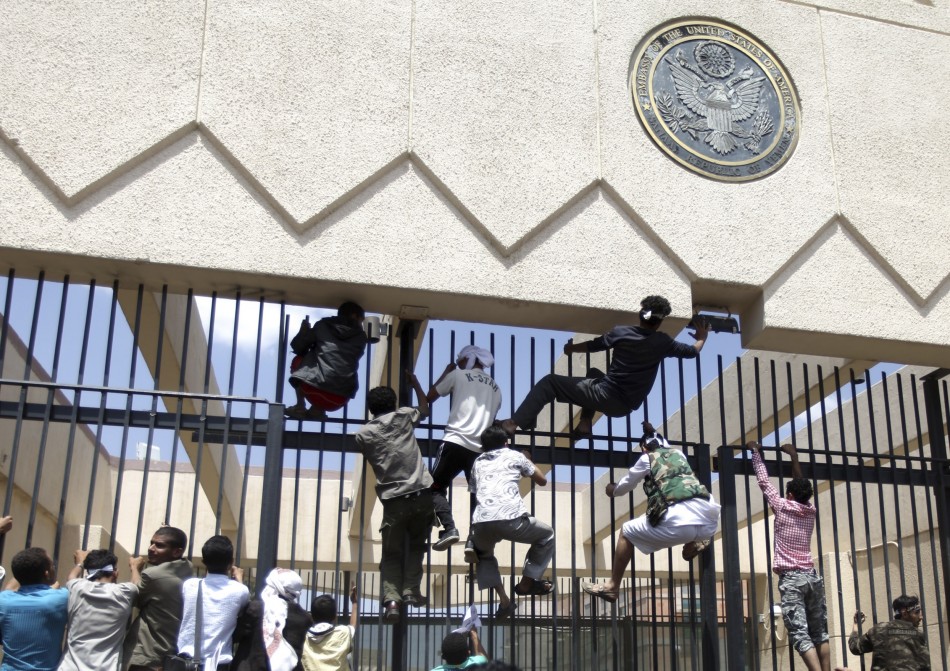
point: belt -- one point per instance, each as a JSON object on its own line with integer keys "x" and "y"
{"x": 412, "y": 495}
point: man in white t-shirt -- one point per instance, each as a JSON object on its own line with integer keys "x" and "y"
{"x": 502, "y": 515}
{"x": 476, "y": 398}
{"x": 223, "y": 597}
{"x": 680, "y": 510}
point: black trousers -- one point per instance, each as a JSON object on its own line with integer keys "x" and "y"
{"x": 450, "y": 460}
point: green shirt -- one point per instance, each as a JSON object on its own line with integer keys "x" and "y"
{"x": 471, "y": 661}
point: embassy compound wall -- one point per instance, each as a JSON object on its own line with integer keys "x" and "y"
{"x": 486, "y": 162}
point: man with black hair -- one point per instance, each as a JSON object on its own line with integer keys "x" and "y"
{"x": 501, "y": 515}
{"x": 802, "y": 589}
{"x": 154, "y": 633}
{"x": 897, "y": 645}
{"x": 328, "y": 645}
{"x": 223, "y": 596}
{"x": 637, "y": 353}
{"x": 32, "y": 614}
{"x": 457, "y": 654}
{"x": 403, "y": 485}
{"x": 476, "y": 398}
{"x": 327, "y": 356}
{"x": 679, "y": 510}
{"x": 99, "y": 612}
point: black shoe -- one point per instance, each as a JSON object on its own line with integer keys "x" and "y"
{"x": 415, "y": 600}
{"x": 391, "y": 612}
{"x": 470, "y": 556}
{"x": 447, "y": 537}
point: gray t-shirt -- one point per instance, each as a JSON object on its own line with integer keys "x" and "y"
{"x": 99, "y": 614}
{"x": 389, "y": 444}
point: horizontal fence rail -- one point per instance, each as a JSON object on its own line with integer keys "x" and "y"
{"x": 126, "y": 408}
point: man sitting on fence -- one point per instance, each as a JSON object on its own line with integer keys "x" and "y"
{"x": 324, "y": 370}
{"x": 802, "y": 589}
{"x": 154, "y": 633}
{"x": 403, "y": 485}
{"x": 679, "y": 510}
{"x": 501, "y": 515}
{"x": 637, "y": 353}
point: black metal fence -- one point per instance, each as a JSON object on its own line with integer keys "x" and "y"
{"x": 124, "y": 408}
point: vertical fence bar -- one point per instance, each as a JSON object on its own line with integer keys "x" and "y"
{"x": 732, "y": 575}
{"x": 270, "y": 498}
{"x": 939, "y": 468}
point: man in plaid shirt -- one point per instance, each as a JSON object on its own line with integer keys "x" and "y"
{"x": 802, "y": 589}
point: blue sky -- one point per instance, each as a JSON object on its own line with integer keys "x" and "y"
{"x": 522, "y": 354}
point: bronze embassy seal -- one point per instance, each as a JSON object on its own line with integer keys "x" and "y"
{"x": 715, "y": 99}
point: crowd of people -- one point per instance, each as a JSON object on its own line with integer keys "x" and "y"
{"x": 178, "y": 618}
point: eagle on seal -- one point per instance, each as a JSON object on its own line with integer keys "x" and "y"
{"x": 722, "y": 103}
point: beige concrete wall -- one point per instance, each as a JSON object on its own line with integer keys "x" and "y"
{"x": 485, "y": 163}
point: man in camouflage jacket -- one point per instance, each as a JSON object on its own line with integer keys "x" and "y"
{"x": 898, "y": 645}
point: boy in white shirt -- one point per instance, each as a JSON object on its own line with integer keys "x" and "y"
{"x": 502, "y": 515}
{"x": 223, "y": 596}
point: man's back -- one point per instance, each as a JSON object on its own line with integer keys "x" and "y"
{"x": 897, "y": 646}
{"x": 331, "y": 353}
{"x": 32, "y": 623}
{"x": 222, "y": 601}
{"x": 98, "y": 616}
{"x": 389, "y": 445}
{"x": 476, "y": 398}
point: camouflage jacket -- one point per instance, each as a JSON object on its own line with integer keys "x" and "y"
{"x": 671, "y": 480}
{"x": 897, "y": 646}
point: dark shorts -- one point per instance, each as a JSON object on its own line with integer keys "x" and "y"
{"x": 804, "y": 609}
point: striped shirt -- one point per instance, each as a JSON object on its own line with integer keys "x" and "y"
{"x": 794, "y": 524}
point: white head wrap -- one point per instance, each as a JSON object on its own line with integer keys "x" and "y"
{"x": 655, "y": 436}
{"x": 282, "y": 585}
{"x": 97, "y": 573}
{"x": 470, "y": 354}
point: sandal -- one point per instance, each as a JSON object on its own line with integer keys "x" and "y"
{"x": 693, "y": 548}
{"x": 295, "y": 412}
{"x": 538, "y": 588}
{"x": 601, "y": 592}
{"x": 504, "y": 612}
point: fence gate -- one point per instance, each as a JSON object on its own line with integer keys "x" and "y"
{"x": 123, "y": 408}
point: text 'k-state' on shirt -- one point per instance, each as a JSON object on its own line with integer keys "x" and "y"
{"x": 476, "y": 398}
{"x": 495, "y": 478}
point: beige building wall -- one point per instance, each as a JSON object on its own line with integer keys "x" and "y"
{"x": 486, "y": 165}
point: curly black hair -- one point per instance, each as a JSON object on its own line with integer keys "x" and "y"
{"x": 903, "y": 602}
{"x": 381, "y": 400}
{"x": 493, "y": 437}
{"x": 800, "y": 489}
{"x": 658, "y": 306}
{"x": 30, "y": 566}
{"x": 455, "y": 648}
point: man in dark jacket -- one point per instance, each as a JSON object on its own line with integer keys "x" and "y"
{"x": 898, "y": 644}
{"x": 637, "y": 353}
{"x": 327, "y": 357}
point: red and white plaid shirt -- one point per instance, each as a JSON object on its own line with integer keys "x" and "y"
{"x": 794, "y": 524}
